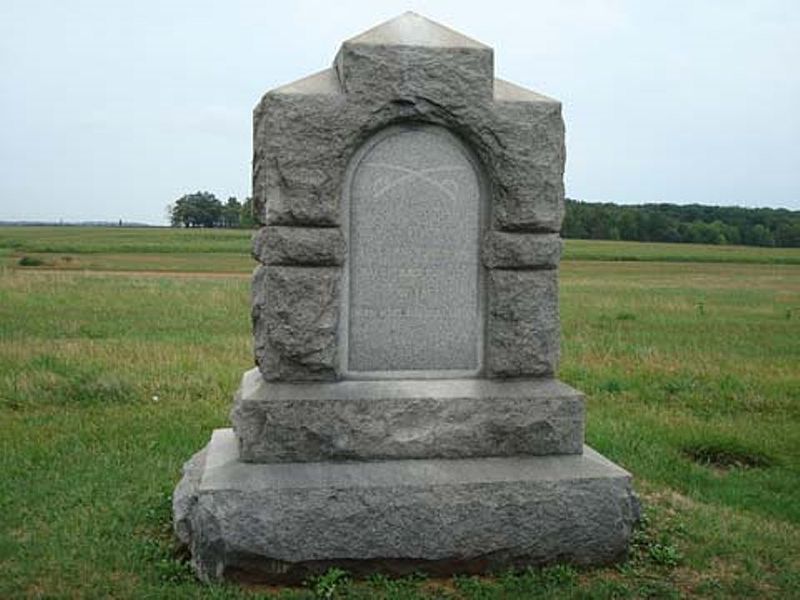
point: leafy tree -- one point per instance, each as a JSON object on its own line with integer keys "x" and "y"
{"x": 629, "y": 225}
{"x": 788, "y": 234}
{"x": 201, "y": 209}
{"x": 247, "y": 217}
{"x": 673, "y": 223}
{"x": 759, "y": 235}
{"x": 231, "y": 213}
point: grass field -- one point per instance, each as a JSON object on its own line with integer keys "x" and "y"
{"x": 114, "y": 372}
{"x": 632, "y": 251}
{"x": 167, "y": 249}
{"x": 115, "y": 240}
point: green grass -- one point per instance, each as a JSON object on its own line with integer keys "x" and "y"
{"x": 115, "y": 240}
{"x": 676, "y": 355}
{"x": 108, "y": 382}
{"x": 71, "y": 247}
{"x": 173, "y": 262}
{"x": 634, "y": 251}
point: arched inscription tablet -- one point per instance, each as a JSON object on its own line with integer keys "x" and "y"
{"x": 414, "y": 271}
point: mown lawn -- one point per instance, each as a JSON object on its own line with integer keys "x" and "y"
{"x": 109, "y": 381}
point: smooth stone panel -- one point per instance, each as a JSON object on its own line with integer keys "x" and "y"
{"x": 295, "y": 313}
{"x": 373, "y": 420}
{"x": 523, "y": 332}
{"x": 285, "y": 522}
{"x": 414, "y": 228}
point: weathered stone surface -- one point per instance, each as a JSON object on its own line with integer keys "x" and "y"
{"x": 300, "y": 246}
{"x": 370, "y": 420}
{"x": 295, "y": 315}
{"x": 528, "y": 163}
{"x": 185, "y": 496}
{"x": 439, "y": 516}
{"x": 413, "y": 56}
{"x": 300, "y": 161}
{"x": 307, "y": 133}
{"x": 296, "y": 138}
{"x": 502, "y": 250}
{"x": 523, "y": 325}
{"x": 412, "y": 70}
{"x": 414, "y": 205}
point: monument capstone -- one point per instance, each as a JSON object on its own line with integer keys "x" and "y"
{"x": 404, "y": 413}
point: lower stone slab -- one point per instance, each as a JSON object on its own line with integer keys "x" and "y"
{"x": 283, "y": 522}
{"x": 405, "y": 418}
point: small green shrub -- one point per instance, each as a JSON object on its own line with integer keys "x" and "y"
{"x": 326, "y": 585}
{"x": 664, "y": 554}
{"x": 612, "y": 386}
{"x": 727, "y": 454}
{"x": 30, "y": 261}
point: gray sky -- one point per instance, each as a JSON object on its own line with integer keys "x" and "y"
{"x": 112, "y": 109}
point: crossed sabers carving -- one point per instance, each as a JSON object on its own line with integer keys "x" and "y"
{"x": 447, "y": 187}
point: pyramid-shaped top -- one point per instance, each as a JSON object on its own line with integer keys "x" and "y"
{"x": 411, "y": 29}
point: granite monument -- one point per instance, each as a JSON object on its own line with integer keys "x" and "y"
{"x": 404, "y": 413}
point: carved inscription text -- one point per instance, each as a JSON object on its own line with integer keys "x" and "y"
{"x": 414, "y": 274}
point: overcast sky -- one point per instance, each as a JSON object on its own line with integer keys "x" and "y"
{"x": 112, "y": 110}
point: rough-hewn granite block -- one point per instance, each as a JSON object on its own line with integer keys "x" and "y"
{"x": 522, "y": 323}
{"x": 442, "y": 74}
{"x": 299, "y": 162}
{"x": 285, "y": 522}
{"x": 295, "y": 315}
{"x": 298, "y": 142}
{"x": 412, "y": 56}
{"x": 370, "y": 420}
{"x": 502, "y": 250}
{"x": 299, "y": 246}
{"x": 529, "y": 162}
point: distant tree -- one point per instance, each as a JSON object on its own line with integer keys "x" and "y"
{"x": 201, "y": 209}
{"x": 788, "y": 234}
{"x": 247, "y": 217}
{"x": 574, "y": 220}
{"x": 231, "y": 213}
{"x": 629, "y": 225}
{"x": 759, "y": 235}
{"x": 705, "y": 233}
{"x": 693, "y": 223}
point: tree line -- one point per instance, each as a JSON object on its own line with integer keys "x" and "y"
{"x": 203, "y": 209}
{"x": 693, "y": 223}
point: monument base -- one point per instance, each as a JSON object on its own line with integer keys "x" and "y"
{"x": 396, "y": 419}
{"x": 284, "y": 522}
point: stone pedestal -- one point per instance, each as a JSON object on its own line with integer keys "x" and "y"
{"x": 283, "y": 522}
{"x": 440, "y": 476}
{"x": 420, "y": 418}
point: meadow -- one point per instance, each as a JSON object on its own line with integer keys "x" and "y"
{"x": 117, "y": 362}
